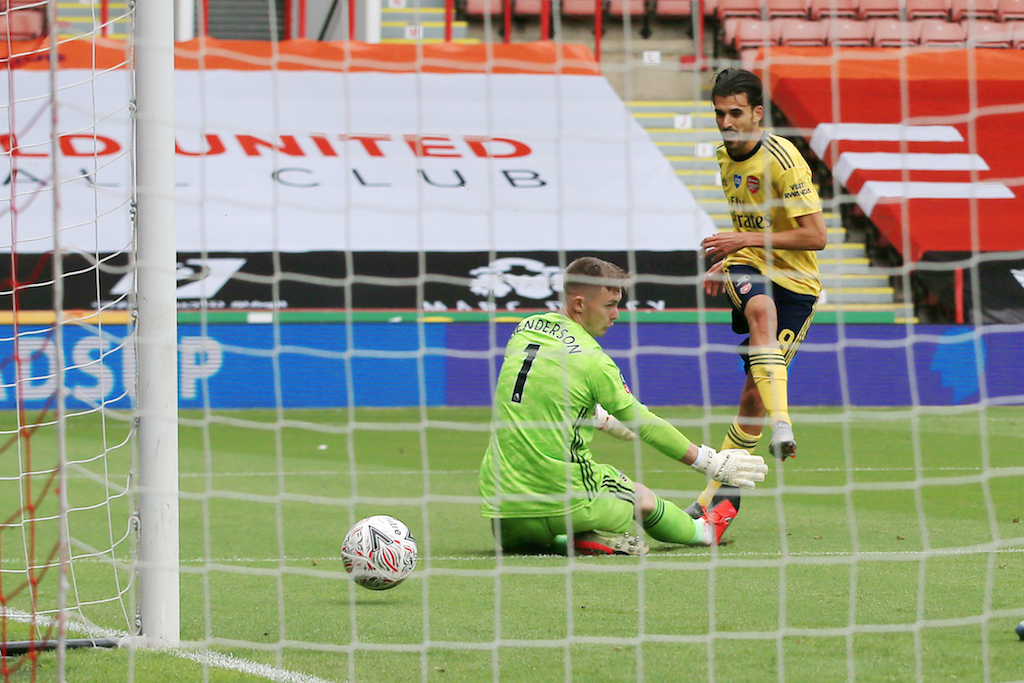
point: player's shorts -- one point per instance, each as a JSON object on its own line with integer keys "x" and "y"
{"x": 795, "y": 311}
{"x": 611, "y": 509}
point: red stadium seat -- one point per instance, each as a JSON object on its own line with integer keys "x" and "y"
{"x": 778, "y": 9}
{"x": 679, "y": 8}
{"x": 39, "y": 5}
{"x": 577, "y": 8}
{"x": 941, "y": 33}
{"x": 728, "y": 31}
{"x": 927, "y": 9}
{"x": 874, "y": 9}
{"x": 754, "y": 33}
{"x": 841, "y": 32}
{"x": 636, "y": 8}
{"x": 23, "y": 23}
{"x": 801, "y": 33}
{"x": 27, "y": 24}
{"x": 989, "y": 34}
{"x": 821, "y": 9}
{"x": 477, "y": 8}
{"x": 895, "y": 33}
{"x": 973, "y": 9}
{"x": 1010, "y": 10}
{"x": 526, "y": 8}
{"x": 738, "y": 8}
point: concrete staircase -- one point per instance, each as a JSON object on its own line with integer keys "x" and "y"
{"x": 408, "y": 21}
{"x": 84, "y": 18}
{"x": 686, "y": 134}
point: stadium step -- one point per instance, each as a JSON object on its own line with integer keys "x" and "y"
{"x": 686, "y": 134}
{"x": 416, "y": 21}
{"x": 401, "y": 24}
{"x": 84, "y": 18}
{"x": 428, "y": 41}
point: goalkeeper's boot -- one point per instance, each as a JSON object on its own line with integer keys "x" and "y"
{"x": 696, "y": 510}
{"x": 599, "y": 543}
{"x": 783, "y": 443}
{"x": 719, "y": 515}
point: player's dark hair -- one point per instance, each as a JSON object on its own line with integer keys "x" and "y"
{"x": 592, "y": 271}
{"x": 736, "y": 81}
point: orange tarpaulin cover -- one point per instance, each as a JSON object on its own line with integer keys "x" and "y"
{"x": 944, "y": 175}
{"x": 210, "y": 53}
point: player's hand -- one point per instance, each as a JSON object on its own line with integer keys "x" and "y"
{"x": 714, "y": 281}
{"x": 721, "y": 244}
{"x": 610, "y": 425}
{"x": 732, "y": 466}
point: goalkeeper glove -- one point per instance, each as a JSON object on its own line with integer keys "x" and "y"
{"x": 610, "y": 425}
{"x": 732, "y": 466}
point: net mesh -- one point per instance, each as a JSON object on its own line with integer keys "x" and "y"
{"x": 361, "y": 228}
{"x": 67, "y": 539}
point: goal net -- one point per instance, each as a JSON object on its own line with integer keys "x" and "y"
{"x": 67, "y": 532}
{"x": 349, "y": 229}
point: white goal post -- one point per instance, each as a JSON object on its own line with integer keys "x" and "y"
{"x": 156, "y": 272}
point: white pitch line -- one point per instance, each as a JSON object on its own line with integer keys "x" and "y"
{"x": 233, "y": 663}
{"x": 693, "y": 552}
{"x": 207, "y": 658}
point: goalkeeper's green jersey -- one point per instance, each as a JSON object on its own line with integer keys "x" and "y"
{"x": 553, "y": 374}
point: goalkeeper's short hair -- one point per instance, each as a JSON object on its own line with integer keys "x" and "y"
{"x": 590, "y": 271}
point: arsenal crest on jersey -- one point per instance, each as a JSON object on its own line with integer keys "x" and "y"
{"x": 753, "y": 184}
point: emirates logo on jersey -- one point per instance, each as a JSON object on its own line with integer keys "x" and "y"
{"x": 753, "y": 184}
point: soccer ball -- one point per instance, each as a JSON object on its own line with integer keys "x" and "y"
{"x": 379, "y": 552}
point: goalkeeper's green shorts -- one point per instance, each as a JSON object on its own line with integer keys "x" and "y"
{"x": 610, "y": 509}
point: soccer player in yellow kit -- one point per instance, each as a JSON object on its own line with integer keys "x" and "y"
{"x": 767, "y": 264}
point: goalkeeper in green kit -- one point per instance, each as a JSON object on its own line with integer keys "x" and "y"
{"x": 538, "y": 480}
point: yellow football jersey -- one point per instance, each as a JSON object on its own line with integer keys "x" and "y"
{"x": 767, "y": 190}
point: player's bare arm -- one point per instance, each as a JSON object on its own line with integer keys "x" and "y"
{"x": 809, "y": 235}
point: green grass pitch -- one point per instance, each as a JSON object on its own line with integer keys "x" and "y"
{"x": 858, "y": 560}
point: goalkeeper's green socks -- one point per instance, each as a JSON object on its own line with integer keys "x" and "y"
{"x": 735, "y": 438}
{"x": 768, "y": 370}
{"x": 669, "y": 523}
{"x": 560, "y": 546}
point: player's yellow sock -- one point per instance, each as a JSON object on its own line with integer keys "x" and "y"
{"x": 669, "y": 523}
{"x": 734, "y": 438}
{"x": 768, "y": 369}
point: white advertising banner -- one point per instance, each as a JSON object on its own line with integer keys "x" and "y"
{"x": 301, "y": 161}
